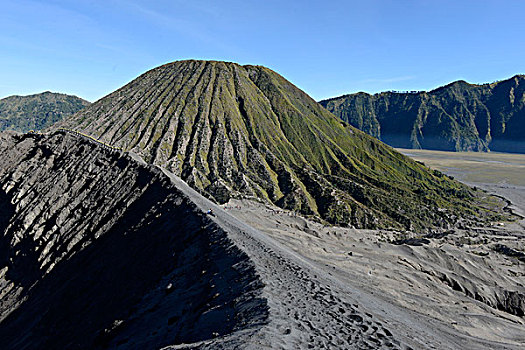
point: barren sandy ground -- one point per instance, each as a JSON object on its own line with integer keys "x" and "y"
{"x": 333, "y": 287}
{"x": 474, "y": 167}
{"x": 440, "y": 295}
{"x": 500, "y": 173}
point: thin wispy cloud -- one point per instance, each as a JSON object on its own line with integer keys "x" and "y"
{"x": 193, "y": 28}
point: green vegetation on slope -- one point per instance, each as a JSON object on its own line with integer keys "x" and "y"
{"x": 36, "y": 112}
{"x": 231, "y": 130}
{"x": 456, "y": 117}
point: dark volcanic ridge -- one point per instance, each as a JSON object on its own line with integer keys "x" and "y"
{"x": 244, "y": 131}
{"x": 37, "y": 112}
{"x": 98, "y": 251}
{"x": 456, "y": 117}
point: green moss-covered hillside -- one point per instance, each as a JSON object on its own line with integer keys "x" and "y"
{"x": 232, "y": 130}
{"x": 456, "y": 117}
{"x": 36, "y": 112}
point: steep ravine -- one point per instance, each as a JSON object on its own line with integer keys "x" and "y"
{"x": 97, "y": 250}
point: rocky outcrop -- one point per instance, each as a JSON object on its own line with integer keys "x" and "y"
{"x": 97, "y": 251}
{"x": 245, "y": 131}
{"x": 36, "y": 112}
{"x": 456, "y": 117}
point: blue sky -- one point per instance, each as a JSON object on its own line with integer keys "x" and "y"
{"x": 327, "y": 48}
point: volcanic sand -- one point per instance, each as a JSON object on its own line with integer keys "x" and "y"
{"x": 347, "y": 288}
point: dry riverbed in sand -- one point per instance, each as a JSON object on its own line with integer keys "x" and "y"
{"x": 466, "y": 288}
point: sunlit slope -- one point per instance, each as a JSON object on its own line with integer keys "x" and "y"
{"x": 231, "y": 130}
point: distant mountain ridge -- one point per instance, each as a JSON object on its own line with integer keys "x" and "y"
{"x": 230, "y": 130}
{"x": 38, "y": 111}
{"x": 455, "y": 117}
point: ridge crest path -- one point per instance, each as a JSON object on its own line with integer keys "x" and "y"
{"x": 312, "y": 308}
